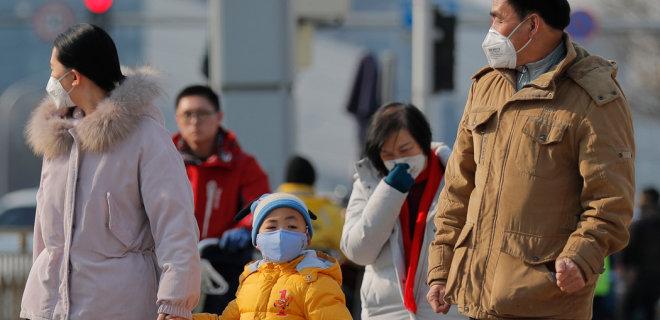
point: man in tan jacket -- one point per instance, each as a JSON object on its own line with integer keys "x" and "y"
{"x": 539, "y": 187}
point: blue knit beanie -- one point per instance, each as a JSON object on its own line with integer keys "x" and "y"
{"x": 262, "y": 207}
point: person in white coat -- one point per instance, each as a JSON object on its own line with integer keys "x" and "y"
{"x": 389, "y": 219}
{"x": 114, "y": 236}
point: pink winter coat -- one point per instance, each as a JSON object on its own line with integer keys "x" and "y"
{"x": 115, "y": 236}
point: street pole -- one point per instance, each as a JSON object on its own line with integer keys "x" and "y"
{"x": 421, "y": 53}
{"x": 215, "y": 44}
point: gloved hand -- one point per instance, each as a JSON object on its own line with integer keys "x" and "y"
{"x": 399, "y": 178}
{"x": 235, "y": 239}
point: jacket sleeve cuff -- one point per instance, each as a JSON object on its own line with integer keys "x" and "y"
{"x": 590, "y": 261}
{"x": 175, "y": 311}
{"x": 434, "y": 282}
{"x": 439, "y": 263}
{"x": 437, "y": 276}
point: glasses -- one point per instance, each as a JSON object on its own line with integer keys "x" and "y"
{"x": 188, "y": 116}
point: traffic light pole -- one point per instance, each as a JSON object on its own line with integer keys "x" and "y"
{"x": 215, "y": 45}
{"x": 421, "y": 53}
{"x": 103, "y": 20}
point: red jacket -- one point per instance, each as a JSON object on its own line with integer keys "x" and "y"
{"x": 222, "y": 184}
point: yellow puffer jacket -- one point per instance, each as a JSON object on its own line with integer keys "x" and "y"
{"x": 330, "y": 217}
{"x": 308, "y": 287}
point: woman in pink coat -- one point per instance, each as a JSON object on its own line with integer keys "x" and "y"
{"x": 114, "y": 235}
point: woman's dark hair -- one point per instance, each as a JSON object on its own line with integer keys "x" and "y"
{"x": 202, "y": 91}
{"x": 556, "y": 13}
{"x": 392, "y": 118}
{"x": 91, "y": 51}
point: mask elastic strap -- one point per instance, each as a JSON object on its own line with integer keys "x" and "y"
{"x": 516, "y": 29}
{"x": 62, "y": 77}
{"x": 525, "y": 46}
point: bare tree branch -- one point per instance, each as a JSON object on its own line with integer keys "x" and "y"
{"x": 640, "y": 48}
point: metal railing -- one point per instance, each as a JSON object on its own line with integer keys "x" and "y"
{"x": 14, "y": 269}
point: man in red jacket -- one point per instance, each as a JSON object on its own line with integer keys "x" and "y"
{"x": 223, "y": 179}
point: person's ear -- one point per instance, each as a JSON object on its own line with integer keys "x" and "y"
{"x": 77, "y": 76}
{"x": 534, "y": 24}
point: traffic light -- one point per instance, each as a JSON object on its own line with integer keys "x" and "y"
{"x": 98, "y": 6}
{"x": 99, "y": 12}
{"x": 444, "y": 43}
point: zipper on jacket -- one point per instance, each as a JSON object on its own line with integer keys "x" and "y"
{"x": 507, "y": 150}
{"x": 484, "y": 140}
{"x": 211, "y": 188}
{"x": 69, "y": 216}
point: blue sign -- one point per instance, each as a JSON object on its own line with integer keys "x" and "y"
{"x": 583, "y": 25}
{"x": 406, "y": 13}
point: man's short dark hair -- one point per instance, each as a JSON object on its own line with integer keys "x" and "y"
{"x": 300, "y": 170}
{"x": 651, "y": 195}
{"x": 200, "y": 90}
{"x": 556, "y": 13}
{"x": 390, "y": 119}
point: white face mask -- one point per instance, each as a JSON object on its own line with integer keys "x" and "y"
{"x": 57, "y": 94}
{"x": 417, "y": 164}
{"x": 499, "y": 49}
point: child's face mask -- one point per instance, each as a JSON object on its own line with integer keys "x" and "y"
{"x": 281, "y": 245}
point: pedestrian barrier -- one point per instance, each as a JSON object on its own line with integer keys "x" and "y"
{"x": 14, "y": 269}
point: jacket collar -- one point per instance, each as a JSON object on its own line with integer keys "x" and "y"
{"x": 309, "y": 263}
{"x": 227, "y": 149}
{"x": 542, "y": 88}
{"x": 115, "y": 118}
{"x": 548, "y": 79}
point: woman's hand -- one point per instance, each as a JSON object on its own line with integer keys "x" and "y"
{"x": 399, "y": 178}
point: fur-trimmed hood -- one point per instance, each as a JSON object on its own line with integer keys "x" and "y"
{"x": 114, "y": 119}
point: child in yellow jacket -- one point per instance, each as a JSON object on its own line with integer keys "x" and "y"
{"x": 289, "y": 282}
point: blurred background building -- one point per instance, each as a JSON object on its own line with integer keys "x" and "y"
{"x": 300, "y": 102}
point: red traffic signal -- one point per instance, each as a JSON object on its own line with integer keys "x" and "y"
{"x": 98, "y": 6}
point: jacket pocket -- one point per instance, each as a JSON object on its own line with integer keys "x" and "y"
{"x": 522, "y": 284}
{"x": 540, "y": 150}
{"x": 464, "y": 235}
{"x": 458, "y": 265}
{"x": 380, "y": 291}
{"x": 366, "y": 288}
{"x": 121, "y": 226}
{"x": 479, "y": 124}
